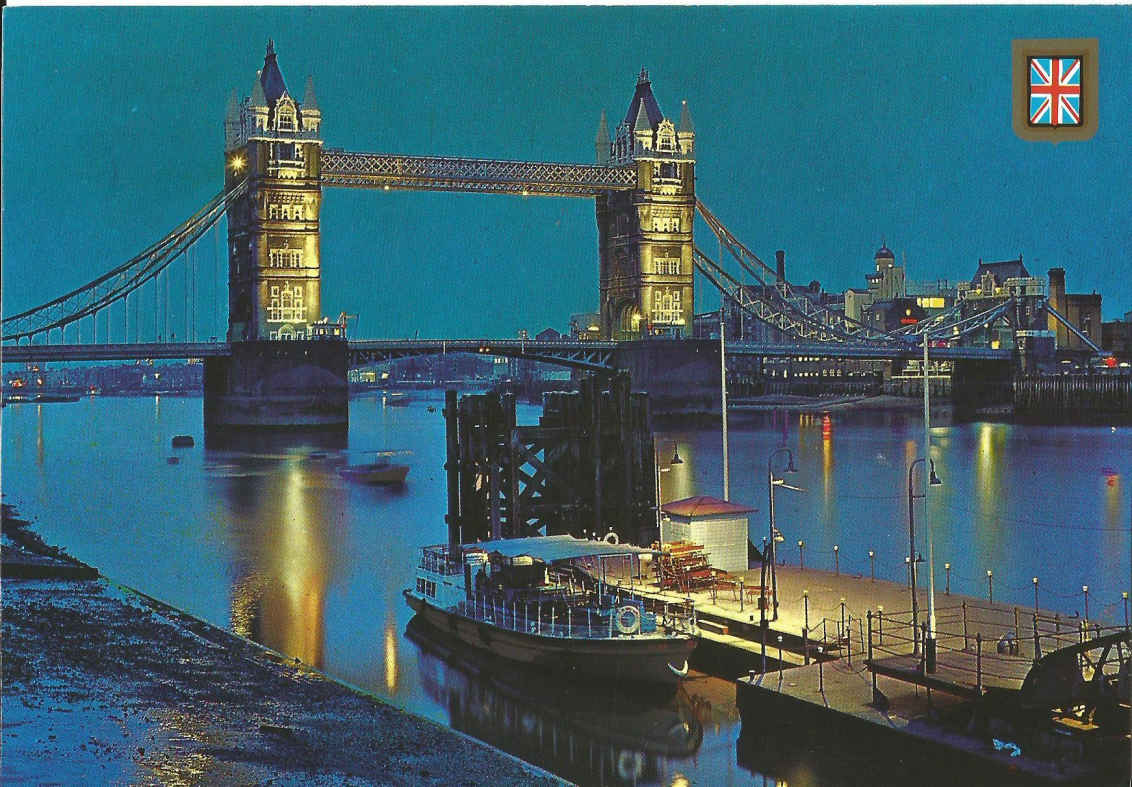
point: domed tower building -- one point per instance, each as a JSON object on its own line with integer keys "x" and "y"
{"x": 274, "y": 266}
{"x": 645, "y": 235}
{"x": 889, "y": 276}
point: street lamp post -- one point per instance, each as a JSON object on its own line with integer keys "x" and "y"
{"x": 676, "y": 460}
{"x": 933, "y": 480}
{"x": 912, "y": 496}
{"x": 772, "y": 482}
{"x": 723, "y": 404}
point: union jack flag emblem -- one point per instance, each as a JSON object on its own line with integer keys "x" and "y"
{"x": 1055, "y": 91}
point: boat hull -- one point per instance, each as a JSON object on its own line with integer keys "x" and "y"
{"x": 392, "y": 474}
{"x": 653, "y": 660}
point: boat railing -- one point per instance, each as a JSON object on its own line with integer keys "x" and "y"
{"x": 440, "y": 560}
{"x": 606, "y": 620}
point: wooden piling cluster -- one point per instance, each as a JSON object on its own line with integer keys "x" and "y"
{"x": 1073, "y": 397}
{"x": 587, "y": 466}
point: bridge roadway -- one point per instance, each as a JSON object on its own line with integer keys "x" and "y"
{"x": 591, "y": 355}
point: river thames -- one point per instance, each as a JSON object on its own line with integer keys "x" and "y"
{"x": 263, "y": 537}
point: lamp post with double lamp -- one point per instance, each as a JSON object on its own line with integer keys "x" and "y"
{"x": 772, "y": 482}
{"x": 912, "y": 496}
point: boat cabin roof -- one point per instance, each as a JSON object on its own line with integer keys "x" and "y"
{"x": 551, "y": 549}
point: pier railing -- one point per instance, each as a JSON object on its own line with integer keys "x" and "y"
{"x": 606, "y": 620}
{"x": 979, "y": 643}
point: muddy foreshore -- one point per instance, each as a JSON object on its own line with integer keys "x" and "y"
{"x": 102, "y": 684}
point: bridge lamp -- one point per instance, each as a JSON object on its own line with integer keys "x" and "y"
{"x": 237, "y": 163}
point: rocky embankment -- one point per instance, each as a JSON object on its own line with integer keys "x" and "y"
{"x": 102, "y": 684}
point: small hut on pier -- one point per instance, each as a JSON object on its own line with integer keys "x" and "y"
{"x": 718, "y": 525}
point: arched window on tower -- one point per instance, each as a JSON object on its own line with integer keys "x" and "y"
{"x": 285, "y": 119}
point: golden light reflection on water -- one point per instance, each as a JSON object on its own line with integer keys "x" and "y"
{"x": 390, "y": 649}
{"x": 279, "y": 599}
{"x": 827, "y": 465}
{"x": 990, "y": 455}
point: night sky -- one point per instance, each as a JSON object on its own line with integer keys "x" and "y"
{"x": 819, "y": 131}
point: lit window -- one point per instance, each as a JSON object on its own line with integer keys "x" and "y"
{"x": 668, "y": 266}
{"x": 286, "y": 304}
{"x": 285, "y": 258}
{"x": 666, "y": 307}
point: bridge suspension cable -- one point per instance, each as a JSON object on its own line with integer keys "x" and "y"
{"x": 778, "y": 296}
{"x": 127, "y": 278}
{"x": 769, "y": 310}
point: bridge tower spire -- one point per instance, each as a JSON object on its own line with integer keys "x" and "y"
{"x": 274, "y": 265}
{"x": 645, "y": 235}
{"x": 601, "y": 141}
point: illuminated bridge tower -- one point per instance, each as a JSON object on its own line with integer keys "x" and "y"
{"x": 645, "y": 235}
{"x": 284, "y": 371}
{"x": 273, "y": 240}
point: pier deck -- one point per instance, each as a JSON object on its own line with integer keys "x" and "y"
{"x": 812, "y": 599}
{"x": 957, "y": 672}
{"x": 829, "y": 707}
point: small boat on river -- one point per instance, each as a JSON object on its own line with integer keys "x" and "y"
{"x": 380, "y": 471}
{"x": 396, "y": 399}
{"x": 544, "y": 601}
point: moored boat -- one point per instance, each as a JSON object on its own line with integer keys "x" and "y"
{"x": 380, "y": 471}
{"x": 543, "y": 601}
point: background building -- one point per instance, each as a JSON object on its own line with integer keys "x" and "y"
{"x": 885, "y": 283}
{"x": 1082, "y": 311}
{"x": 1116, "y": 337}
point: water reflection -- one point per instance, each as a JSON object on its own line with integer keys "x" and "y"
{"x": 990, "y": 470}
{"x": 282, "y": 502}
{"x": 804, "y": 751}
{"x": 590, "y": 736}
{"x": 39, "y": 447}
{"x": 389, "y": 650}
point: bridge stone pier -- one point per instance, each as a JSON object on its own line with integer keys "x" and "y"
{"x": 679, "y": 376}
{"x": 278, "y": 384}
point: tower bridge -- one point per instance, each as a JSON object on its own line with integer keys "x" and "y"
{"x": 642, "y": 182}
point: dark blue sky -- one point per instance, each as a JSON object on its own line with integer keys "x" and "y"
{"x": 819, "y": 130}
